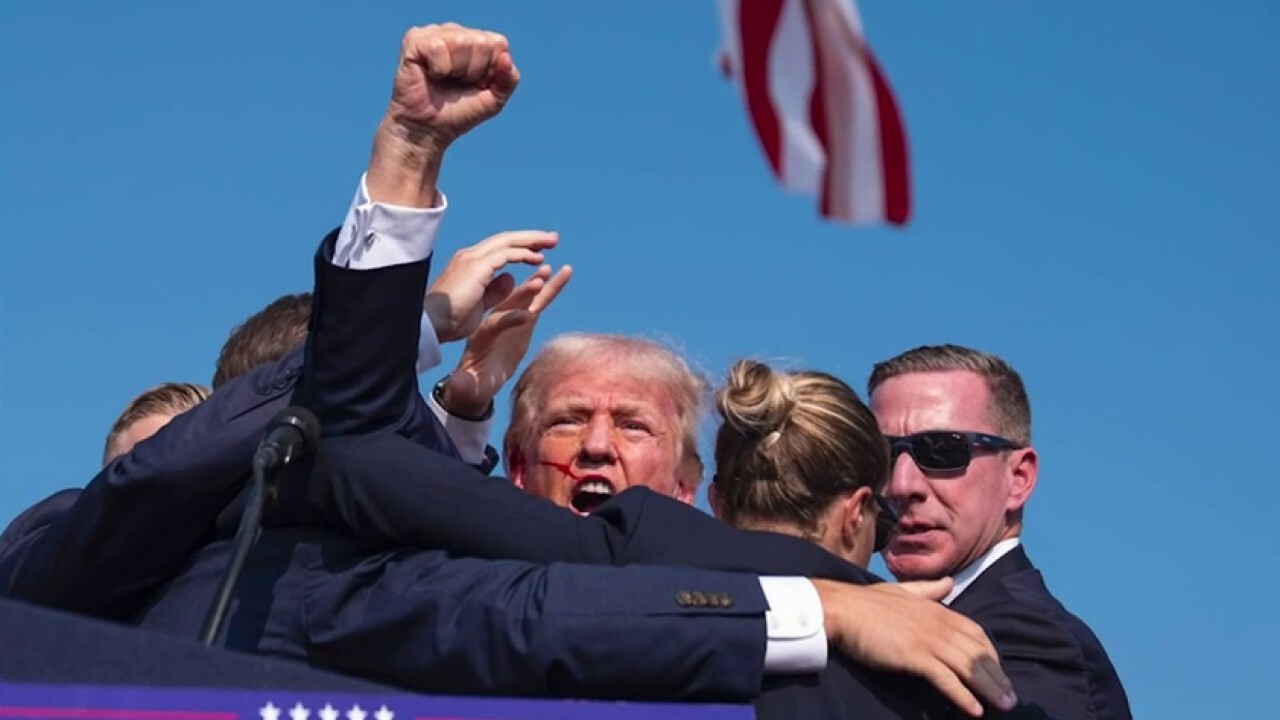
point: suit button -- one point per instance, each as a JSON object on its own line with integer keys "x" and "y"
{"x": 684, "y": 598}
{"x": 701, "y": 599}
{"x": 287, "y": 378}
{"x": 724, "y": 600}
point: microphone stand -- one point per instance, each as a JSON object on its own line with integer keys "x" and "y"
{"x": 246, "y": 536}
{"x": 293, "y": 433}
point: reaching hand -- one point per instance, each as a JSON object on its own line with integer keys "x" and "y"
{"x": 470, "y": 284}
{"x": 904, "y": 628}
{"x": 495, "y": 349}
{"x": 449, "y": 79}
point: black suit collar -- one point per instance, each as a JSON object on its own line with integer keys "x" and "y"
{"x": 1013, "y": 562}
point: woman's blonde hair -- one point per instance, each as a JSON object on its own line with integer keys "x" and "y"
{"x": 790, "y": 444}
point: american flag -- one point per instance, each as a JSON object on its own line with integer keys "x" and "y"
{"x": 820, "y": 105}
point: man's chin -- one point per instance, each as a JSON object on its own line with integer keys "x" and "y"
{"x": 913, "y": 563}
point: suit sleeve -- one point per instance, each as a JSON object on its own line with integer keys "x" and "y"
{"x": 139, "y": 519}
{"x": 387, "y": 488}
{"x": 362, "y": 345}
{"x": 466, "y": 626}
{"x": 26, "y": 530}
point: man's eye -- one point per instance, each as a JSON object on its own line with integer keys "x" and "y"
{"x": 634, "y": 425}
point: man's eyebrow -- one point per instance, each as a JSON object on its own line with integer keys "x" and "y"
{"x": 571, "y": 404}
{"x": 636, "y": 408}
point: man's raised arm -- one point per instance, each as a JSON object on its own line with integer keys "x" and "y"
{"x": 371, "y": 274}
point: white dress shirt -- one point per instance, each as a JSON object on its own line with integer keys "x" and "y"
{"x": 375, "y": 235}
{"x": 965, "y": 577}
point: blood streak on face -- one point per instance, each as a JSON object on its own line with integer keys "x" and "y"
{"x": 562, "y": 467}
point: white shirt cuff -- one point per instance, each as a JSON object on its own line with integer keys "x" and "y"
{"x": 469, "y": 436}
{"x": 797, "y": 637}
{"x": 375, "y": 235}
{"x": 429, "y": 355}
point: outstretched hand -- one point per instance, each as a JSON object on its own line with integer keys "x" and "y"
{"x": 495, "y": 349}
{"x": 471, "y": 284}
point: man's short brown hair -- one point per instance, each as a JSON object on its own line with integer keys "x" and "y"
{"x": 167, "y": 399}
{"x": 1010, "y": 409}
{"x": 265, "y": 337}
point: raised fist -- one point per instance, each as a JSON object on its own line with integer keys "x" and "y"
{"x": 450, "y": 79}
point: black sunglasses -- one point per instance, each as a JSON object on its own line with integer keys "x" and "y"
{"x": 886, "y": 522}
{"x": 945, "y": 451}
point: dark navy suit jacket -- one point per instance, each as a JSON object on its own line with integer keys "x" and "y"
{"x": 1056, "y": 663}
{"x": 415, "y": 617}
{"x": 104, "y": 550}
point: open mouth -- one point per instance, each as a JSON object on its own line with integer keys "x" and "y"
{"x": 589, "y": 494}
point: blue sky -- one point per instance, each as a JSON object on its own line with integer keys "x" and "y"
{"x": 1094, "y": 186}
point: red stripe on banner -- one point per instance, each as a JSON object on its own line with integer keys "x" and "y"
{"x": 818, "y": 111}
{"x": 110, "y": 714}
{"x": 893, "y": 146}
{"x": 757, "y": 23}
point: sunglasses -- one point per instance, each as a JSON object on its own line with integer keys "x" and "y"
{"x": 945, "y": 451}
{"x": 886, "y": 522}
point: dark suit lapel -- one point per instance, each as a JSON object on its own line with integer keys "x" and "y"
{"x": 1013, "y": 562}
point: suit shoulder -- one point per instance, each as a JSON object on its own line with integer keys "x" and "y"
{"x": 1037, "y": 635}
{"x": 1029, "y": 590}
{"x": 1020, "y": 607}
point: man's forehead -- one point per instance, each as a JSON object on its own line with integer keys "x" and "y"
{"x": 955, "y": 400}
{"x": 617, "y": 393}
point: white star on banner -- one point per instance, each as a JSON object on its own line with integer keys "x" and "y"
{"x": 299, "y": 712}
{"x": 329, "y": 712}
{"x": 355, "y": 713}
{"x": 384, "y": 713}
{"x": 269, "y": 711}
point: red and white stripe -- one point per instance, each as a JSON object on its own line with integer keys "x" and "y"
{"x": 821, "y": 106}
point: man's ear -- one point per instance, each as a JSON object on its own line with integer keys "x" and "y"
{"x": 1024, "y": 467}
{"x": 852, "y": 514}
{"x": 688, "y": 477}
{"x": 517, "y": 464}
{"x": 686, "y": 491}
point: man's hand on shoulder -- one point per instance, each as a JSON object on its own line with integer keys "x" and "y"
{"x": 449, "y": 79}
{"x": 904, "y": 628}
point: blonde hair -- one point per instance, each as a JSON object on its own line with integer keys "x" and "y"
{"x": 790, "y": 444}
{"x": 634, "y": 357}
{"x": 166, "y": 399}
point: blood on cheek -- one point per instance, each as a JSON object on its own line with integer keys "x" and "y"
{"x": 562, "y": 467}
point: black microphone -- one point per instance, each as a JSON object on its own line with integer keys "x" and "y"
{"x": 293, "y": 433}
